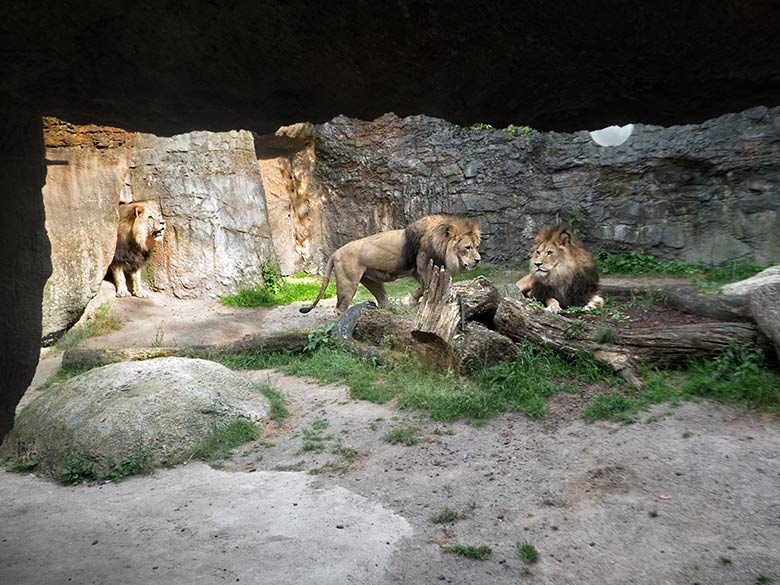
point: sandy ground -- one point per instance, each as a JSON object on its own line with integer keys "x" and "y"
{"x": 692, "y": 496}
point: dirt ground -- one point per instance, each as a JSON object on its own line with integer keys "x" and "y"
{"x": 691, "y": 495}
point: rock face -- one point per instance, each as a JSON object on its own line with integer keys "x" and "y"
{"x": 211, "y": 194}
{"x": 87, "y": 175}
{"x": 769, "y": 276}
{"x": 694, "y": 193}
{"x": 155, "y": 409}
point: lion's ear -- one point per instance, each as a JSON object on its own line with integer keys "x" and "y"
{"x": 139, "y": 210}
{"x": 564, "y": 238}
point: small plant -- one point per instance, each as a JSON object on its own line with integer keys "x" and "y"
{"x": 347, "y": 453}
{"x": 479, "y": 553}
{"x": 724, "y": 560}
{"x": 272, "y": 277}
{"x": 607, "y": 336}
{"x": 481, "y": 126}
{"x": 575, "y": 328}
{"x": 312, "y": 446}
{"x": 319, "y": 337}
{"x": 159, "y": 336}
{"x": 653, "y": 514}
{"x": 19, "y": 465}
{"x": 403, "y": 435}
{"x": 511, "y": 129}
{"x": 77, "y": 470}
{"x": 576, "y": 221}
{"x": 125, "y": 467}
{"x": 764, "y": 580}
{"x": 447, "y": 516}
{"x": 527, "y": 552}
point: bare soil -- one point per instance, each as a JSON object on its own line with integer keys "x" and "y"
{"x": 690, "y": 496}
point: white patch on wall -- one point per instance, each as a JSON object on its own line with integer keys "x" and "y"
{"x": 612, "y": 135}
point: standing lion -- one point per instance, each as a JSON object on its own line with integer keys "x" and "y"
{"x": 448, "y": 240}
{"x": 563, "y": 273}
{"x": 141, "y": 227}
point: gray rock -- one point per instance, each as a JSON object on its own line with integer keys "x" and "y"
{"x": 769, "y": 276}
{"x": 157, "y": 409}
{"x": 765, "y": 305}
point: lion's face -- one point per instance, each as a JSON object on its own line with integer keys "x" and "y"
{"x": 463, "y": 239}
{"x": 551, "y": 258}
{"x": 148, "y": 225}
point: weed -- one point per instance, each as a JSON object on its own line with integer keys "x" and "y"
{"x": 613, "y": 406}
{"x": 575, "y": 328}
{"x": 66, "y": 372}
{"x": 554, "y": 502}
{"x": 20, "y": 465}
{"x": 77, "y": 470}
{"x": 639, "y": 263}
{"x": 403, "y": 435}
{"x": 159, "y": 336}
{"x": 511, "y": 129}
{"x": 764, "y": 580}
{"x": 479, "y": 553}
{"x": 101, "y": 323}
{"x": 447, "y": 516}
{"x": 724, "y": 560}
{"x": 576, "y": 221}
{"x": 320, "y": 424}
{"x": 276, "y": 401}
{"x": 127, "y": 466}
{"x": 607, "y": 336}
{"x": 347, "y": 453}
{"x": 223, "y": 438}
{"x": 686, "y": 435}
{"x": 272, "y": 277}
{"x": 319, "y": 337}
{"x": 527, "y": 552}
{"x": 312, "y": 446}
{"x": 653, "y": 514}
{"x": 481, "y": 126}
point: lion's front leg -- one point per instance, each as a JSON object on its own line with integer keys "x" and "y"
{"x": 525, "y": 284}
{"x": 120, "y": 282}
{"x": 138, "y": 290}
{"x": 553, "y": 306}
{"x": 595, "y": 302}
{"x": 415, "y": 296}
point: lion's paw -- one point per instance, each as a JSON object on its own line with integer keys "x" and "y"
{"x": 553, "y": 310}
{"x": 140, "y": 294}
{"x": 122, "y": 293}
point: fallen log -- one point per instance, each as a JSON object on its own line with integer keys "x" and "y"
{"x": 622, "y": 351}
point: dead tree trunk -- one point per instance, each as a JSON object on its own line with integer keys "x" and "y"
{"x": 664, "y": 347}
{"x": 440, "y": 315}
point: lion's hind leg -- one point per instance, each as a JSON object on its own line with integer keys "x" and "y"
{"x": 376, "y": 288}
{"x": 595, "y": 302}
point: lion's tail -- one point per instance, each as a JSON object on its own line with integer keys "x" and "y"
{"x": 325, "y": 281}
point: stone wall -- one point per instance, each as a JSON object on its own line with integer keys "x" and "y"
{"x": 709, "y": 192}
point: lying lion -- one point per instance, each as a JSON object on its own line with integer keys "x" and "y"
{"x": 448, "y": 240}
{"x": 563, "y": 273}
{"x": 141, "y": 227}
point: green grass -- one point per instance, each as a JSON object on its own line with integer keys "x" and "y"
{"x": 447, "y": 516}
{"x": 277, "y": 402}
{"x": 223, "y": 438}
{"x": 708, "y": 279}
{"x": 527, "y": 552}
{"x": 479, "y": 553}
{"x": 739, "y": 375}
{"x": 66, "y": 372}
{"x": 101, "y": 323}
{"x": 403, "y": 436}
{"x": 290, "y": 290}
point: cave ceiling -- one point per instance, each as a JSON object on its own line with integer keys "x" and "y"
{"x": 168, "y": 67}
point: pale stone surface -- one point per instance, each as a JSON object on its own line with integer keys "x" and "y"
{"x": 157, "y": 408}
{"x": 769, "y": 276}
{"x": 87, "y": 175}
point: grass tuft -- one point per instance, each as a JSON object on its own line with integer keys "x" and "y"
{"x": 479, "y": 553}
{"x": 527, "y": 552}
{"x": 223, "y": 438}
{"x": 402, "y": 435}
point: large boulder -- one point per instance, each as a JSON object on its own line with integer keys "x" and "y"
{"x": 156, "y": 411}
{"x": 769, "y": 276}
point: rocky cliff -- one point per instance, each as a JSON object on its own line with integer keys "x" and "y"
{"x": 708, "y": 192}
